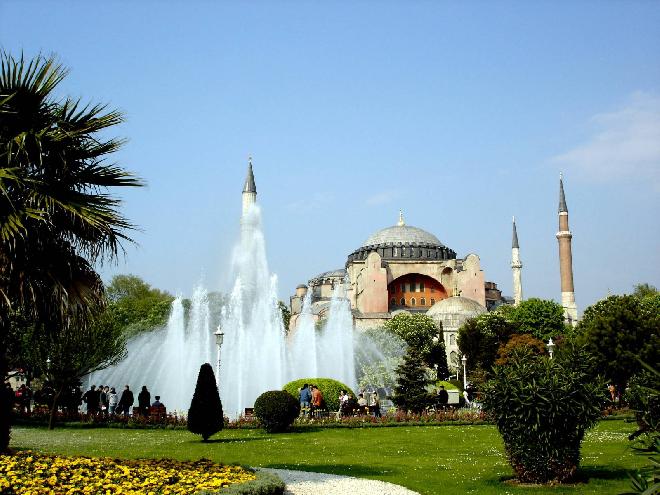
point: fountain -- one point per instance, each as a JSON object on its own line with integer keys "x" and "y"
{"x": 256, "y": 354}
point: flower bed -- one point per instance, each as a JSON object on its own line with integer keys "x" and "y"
{"x": 35, "y": 474}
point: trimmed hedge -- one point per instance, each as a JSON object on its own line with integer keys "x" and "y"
{"x": 276, "y": 410}
{"x": 329, "y": 388}
{"x": 265, "y": 484}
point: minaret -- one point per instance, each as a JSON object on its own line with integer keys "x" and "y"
{"x": 564, "y": 237}
{"x": 516, "y": 267}
{"x": 249, "y": 189}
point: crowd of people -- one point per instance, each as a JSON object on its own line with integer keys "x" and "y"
{"x": 313, "y": 404}
{"x": 98, "y": 401}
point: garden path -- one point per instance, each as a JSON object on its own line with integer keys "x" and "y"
{"x": 308, "y": 483}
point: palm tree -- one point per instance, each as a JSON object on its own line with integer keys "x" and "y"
{"x": 57, "y": 215}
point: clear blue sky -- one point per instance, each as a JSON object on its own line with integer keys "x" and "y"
{"x": 460, "y": 114}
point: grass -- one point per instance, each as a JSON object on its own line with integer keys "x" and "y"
{"x": 427, "y": 459}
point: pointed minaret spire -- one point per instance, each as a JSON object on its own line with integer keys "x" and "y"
{"x": 250, "y": 186}
{"x": 514, "y": 242}
{"x": 516, "y": 267}
{"x": 401, "y": 223}
{"x": 564, "y": 237}
{"x": 249, "y": 189}
{"x": 562, "y": 197}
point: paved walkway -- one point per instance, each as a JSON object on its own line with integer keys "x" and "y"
{"x": 306, "y": 483}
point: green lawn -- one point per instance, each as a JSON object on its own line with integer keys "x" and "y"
{"x": 428, "y": 459}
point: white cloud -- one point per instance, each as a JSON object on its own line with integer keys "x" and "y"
{"x": 382, "y": 198}
{"x": 625, "y": 143}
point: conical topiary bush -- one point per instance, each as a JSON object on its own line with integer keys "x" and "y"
{"x": 205, "y": 414}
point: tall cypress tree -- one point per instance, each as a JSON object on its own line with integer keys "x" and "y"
{"x": 205, "y": 414}
{"x": 410, "y": 392}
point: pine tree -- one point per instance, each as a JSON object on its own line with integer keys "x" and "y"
{"x": 410, "y": 392}
{"x": 442, "y": 370}
{"x": 205, "y": 414}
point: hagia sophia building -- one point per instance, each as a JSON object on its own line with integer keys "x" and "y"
{"x": 406, "y": 268}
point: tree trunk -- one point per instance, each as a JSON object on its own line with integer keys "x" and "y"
{"x": 6, "y": 400}
{"x": 53, "y": 408}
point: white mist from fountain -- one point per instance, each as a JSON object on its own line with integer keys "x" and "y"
{"x": 255, "y": 355}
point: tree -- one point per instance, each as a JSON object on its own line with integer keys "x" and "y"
{"x": 57, "y": 218}
{"x": 619, "y": 331}
{"x": 137, "y": 306}
{"x": 286, "y": 315}
{"x": 424, "y": 336}
{"x": 74, "y": 351}
{"x": 205, "y": 414}
{"x": 645, "y": 290}
{"x": 480, "y": 338}
{"x": 517, "y": 342}
{"x": 410, "y": 393}
{"x": 539, "y": 317}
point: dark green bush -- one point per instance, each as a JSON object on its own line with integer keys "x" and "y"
{"x": 542, "y": 408}
{"x": 205, "y": 414}
{"x": 276, "y": 409}
{"x": 329, "y": 388}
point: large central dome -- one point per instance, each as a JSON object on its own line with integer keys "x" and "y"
{"x": 402, "y": 234}
{"x": 403, "y": 242}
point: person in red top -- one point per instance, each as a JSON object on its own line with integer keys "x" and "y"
{"x": 317, "y": 398}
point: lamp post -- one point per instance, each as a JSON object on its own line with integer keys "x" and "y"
{"x": 464, "y": 361}
{"x": 551, "y": 347}
{"x": 48, "y": 363}
{"x": 219, "y": 337}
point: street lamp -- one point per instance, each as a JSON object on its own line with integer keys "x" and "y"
{"x": 219, "y": 337}
{"x": 464, "y": 361}
{"x": 551, "y": 347}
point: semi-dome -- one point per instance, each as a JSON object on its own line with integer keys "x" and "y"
{"x": 455, "y": 311}
{"x": 457, "y": 305}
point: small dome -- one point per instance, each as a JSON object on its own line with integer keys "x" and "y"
{"x": 301, "y": 286}
{"x": 457, "y": 305}
{"x": 341, "y": 272}
{"x": 401, "y": 234}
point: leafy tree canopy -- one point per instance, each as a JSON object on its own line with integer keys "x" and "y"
{"x": 539, "y": 317}
{"x": 480, "y": 338}
{"x": 424, "y": 336}
{"x": 617, "y": 331}
{"x": 136, "y": 306}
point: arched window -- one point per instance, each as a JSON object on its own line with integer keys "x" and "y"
{"x": 432, "y": 301}
{"x": 403, "y": 301}
{"x": 412, "y": 301}
{"x": 403, "y": 251}
{"x": 403, "y": 287}
{"x": 422, "y": 301}
{"x": 452, "y": 339}
{"x": 421, "y": 286}
{"x": 392, "y": 302}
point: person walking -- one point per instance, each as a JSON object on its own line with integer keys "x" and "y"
{"x": 144, "y": 401}
{"x": 103, "y": 400}
{"x": 126, "y": 401}
{"x": 113, "y": 399}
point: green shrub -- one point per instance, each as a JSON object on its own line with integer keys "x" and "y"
{"x": 276, "y": 409}
{"x": 410, "y": 393}
{"x": 265, "y": 484}
{"x": 329, "y": 388}
{"x": 542, "y": 408}
{"x": 205, "y": 414}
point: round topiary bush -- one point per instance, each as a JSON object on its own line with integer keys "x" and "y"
{"x": 329, "y": 388}
{"x": 276, "y": 409}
